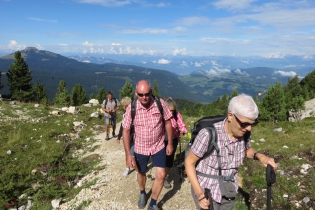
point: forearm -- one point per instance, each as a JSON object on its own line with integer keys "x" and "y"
{"x": 192, "y": 175}
{"x": 169, "y": 130}
{"x": 126, "y": 139}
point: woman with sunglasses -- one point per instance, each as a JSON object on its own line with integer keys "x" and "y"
{"x": 179, "y": 129}
{"x": 242, "y": 116}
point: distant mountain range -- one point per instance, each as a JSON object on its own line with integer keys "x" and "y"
{"x": 200, "y": 79}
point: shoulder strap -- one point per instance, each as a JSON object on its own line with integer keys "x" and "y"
{"x": 133, "y": 110}
{"x": 175, "y": 115}
{"x": 106, "y": 102}
{"x": 115, "y": 99}
{"x": 159, "y": 105}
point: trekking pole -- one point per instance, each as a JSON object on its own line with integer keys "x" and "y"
{"x": 271, "y": 179}
{"x": 208, "y": 196}
{"x": 180, "y": 160}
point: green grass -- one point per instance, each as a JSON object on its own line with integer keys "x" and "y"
{"x": 41, "y": 142}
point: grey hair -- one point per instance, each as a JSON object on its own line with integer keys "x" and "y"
{"x": 170, "y": 102}
{"x": 125, "y": 101}
{"x": 243, "y": 105}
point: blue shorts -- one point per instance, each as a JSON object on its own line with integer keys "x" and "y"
{"x": 109, "y": 121}
{"x": 158, "y": 160}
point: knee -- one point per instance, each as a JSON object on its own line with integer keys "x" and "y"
{"x": 160, "y": 174}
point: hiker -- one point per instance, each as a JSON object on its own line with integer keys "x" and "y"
{"x": 179, "y": 129}
{"x": 125, "y": 101}
{"x": 110, "y": 105}
{"x": 242, "y": 116}
{"x": 151, "y": 119}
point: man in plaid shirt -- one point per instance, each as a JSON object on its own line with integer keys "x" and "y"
{"x": 149, "y": 127}
{"x": 242, "y": 115}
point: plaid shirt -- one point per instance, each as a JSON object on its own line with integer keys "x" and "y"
{"x": 178, "y": 126}
{"x": 149, "y": 127}
{"x": 232, "y": 155}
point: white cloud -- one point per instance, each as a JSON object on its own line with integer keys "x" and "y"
{"x": 130, "y": 50}
{"x": 286, "y": 74}
{"x": 38, "y": 46}
{"x": 274, "y": 55}
{"x": 15, "y": 46}
{"x": 163, "y": 61}
{"x": 232, "y": 4}
{"x": 86, "y": 43}
{"x": 216, "y": 71}
{"x": 43, "y": 20}
{"x": 63, "y": 45}
{"x": 145, "y": 31}
{"x": 107, "y": 3}
{"x": 115, "y": 44}
{"x": 197, "y": 64}
{"x": 239, "y": 71}
{"x": 184, "y": 64}
{"x": 190, "y": 21}
{"x": 179, "y": 52}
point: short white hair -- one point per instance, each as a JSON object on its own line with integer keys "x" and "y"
{"x": 244, "y": 106}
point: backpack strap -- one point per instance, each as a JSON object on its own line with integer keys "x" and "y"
{"x": 159, "y": 105}
{"x": 106, "y": 100}
{"x": 133, "y": 110}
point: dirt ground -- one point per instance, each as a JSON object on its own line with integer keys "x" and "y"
{"x": 114, "y": 191}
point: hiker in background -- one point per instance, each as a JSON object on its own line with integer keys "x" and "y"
{"x": 179, "y": 129}
{"x": 242, "y": 116}
{"x": 151, "y": 119}
{"x": 125, "y": 101}
{"x": 110, "y": 105}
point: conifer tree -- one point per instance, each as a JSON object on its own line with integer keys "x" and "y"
{"x": 273, "y": 104}
{"x": 1, "y": 86}
{"x": 62, "y": 97}
{"x": 92, "y": 96}
{"x": 101, "y": 95}
{"x": 155, "y": 89}
{"x": 233, "y": 94}
{"x": 127, "y": 90}
{"x": 19, "y": 79}
{"x": 39, "y": 92}
{"x": 78, "y": 96}
{"x": 294, "y": 95}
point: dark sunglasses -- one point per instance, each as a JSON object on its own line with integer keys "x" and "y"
{"x": 245, "y": 124}
{"x": 143, "y": 94}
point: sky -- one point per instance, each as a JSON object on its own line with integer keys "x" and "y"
{"x": 168, "y": 27}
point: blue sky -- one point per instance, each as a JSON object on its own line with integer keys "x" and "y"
{"x": 176, "y": 27}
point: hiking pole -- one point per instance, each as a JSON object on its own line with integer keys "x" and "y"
{"x": 180, "y": 155}
{"x": 271, "y": 179}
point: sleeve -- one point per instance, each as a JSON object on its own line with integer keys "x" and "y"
{"x": 167, "y": 113}
{"x": 127, "y": 118}
{"x": 180, "y": 123}
{"x": 200, "y": 145}
{"x": 118, "y": 104}
{"x": 103, "y": 104}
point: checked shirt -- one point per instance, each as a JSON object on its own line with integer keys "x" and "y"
{"x": 232, "y": 155}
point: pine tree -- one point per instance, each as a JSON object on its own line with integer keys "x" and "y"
{"x": 62, "y": 97}
{"x": 127, "y": 90}
{"x": 39, "y": 92}
{"x": 101, "y": 95}
{"x": 233, "y": 94}
{"x": 155, "y": 89}
{"x": 273, "y": 103}
{"x": 78, "y": 96}
{"x": 92, "y": 96}
{"x": 1, "y": 86}
{"x": 19, "y": 79}
{"x": 294, "y": 95}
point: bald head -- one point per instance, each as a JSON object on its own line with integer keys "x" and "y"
{"x": 143, "y": 86}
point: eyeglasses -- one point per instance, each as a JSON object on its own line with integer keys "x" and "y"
{"x": 245, "y": 124}
{"x": 143, "y": 94}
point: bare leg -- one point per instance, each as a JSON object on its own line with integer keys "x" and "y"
{"x": 158, "y": 182}
{"x": 142, "y": 179}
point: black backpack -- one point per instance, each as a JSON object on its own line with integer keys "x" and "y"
{"x": 106, "y": 100}
{"x": 207, "y": 122}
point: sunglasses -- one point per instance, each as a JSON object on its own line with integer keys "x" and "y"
{"x": 143, "y": 94}
{"x": 245, "y": 124}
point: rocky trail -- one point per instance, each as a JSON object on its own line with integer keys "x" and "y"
{"x": 111, "y": 190}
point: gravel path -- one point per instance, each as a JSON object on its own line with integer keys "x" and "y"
{"x": 114, "y": 191}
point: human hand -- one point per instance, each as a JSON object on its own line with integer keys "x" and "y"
{"x": 265, "y": 160}
{"x": 130, "y": 162}
{"x": 203, "y": 201}
{"x": 169, "y": 149}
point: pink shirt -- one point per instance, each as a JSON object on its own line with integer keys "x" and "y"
{"x": 149, "y": 127}
{"x": 178, "y": 126}
{"x": 232, "y": 155}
